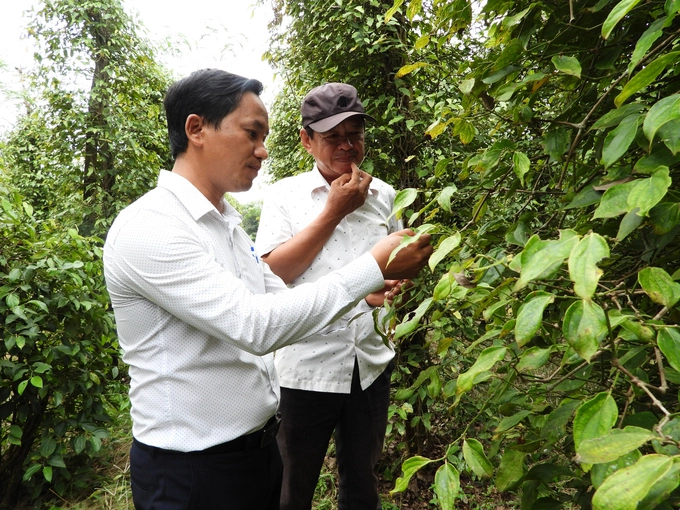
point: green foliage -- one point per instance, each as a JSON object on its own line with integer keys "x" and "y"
{"x": 93, "y": 136}
{"x": 542, "y": 152}
{"x": 58, "y": 351}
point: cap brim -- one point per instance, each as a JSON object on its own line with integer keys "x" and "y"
{"x": 330, "y": 122}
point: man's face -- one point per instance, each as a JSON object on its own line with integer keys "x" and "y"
{"x": 234, "y": 152}
{"x": 335, "y": 150}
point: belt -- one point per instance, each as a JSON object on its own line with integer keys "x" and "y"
{"x": 258, "y": 439}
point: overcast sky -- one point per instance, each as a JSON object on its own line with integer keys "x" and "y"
{"x": 227, "y": 34}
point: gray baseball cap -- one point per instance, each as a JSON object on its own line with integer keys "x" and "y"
{"x": 326, "y": 106}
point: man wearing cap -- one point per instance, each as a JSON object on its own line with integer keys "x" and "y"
{"x": 338, "y": 379}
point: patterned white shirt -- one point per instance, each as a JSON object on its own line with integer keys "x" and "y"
{"x": 325, "y": 361}
{"x": 198, "y": 314}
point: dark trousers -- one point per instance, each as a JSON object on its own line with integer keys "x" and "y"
{"x": 244, "y": 480}
{"x": 308, "y": 419}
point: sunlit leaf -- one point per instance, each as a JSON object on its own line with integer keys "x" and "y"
{"x": 410, "y": 325}
{"x": 533, "y": 358}
{"x": 409, "y": 68}
{"x": 611, "y": 446}
{"x": 486, "y": 360}
{"x": 583, "y": 259}
{"x": 627, "y": 487}
{"x": 645, "y": 42}
{"x": 616, "y": 14}
{"x": 646, "y": 76}
{"x": 444, "y": 248}
{"x": 392, "y": 10}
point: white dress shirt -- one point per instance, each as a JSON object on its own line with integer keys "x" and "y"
{"x": 198, "y": 313}
{"x": 325, "y": 361}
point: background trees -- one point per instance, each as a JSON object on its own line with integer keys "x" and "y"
{"x": 91, "y": 140}
{"x": 538, "y": 142}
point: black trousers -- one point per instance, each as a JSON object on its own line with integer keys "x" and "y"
{"x": 241, "y": 480}
{"x": 359, "y": 419}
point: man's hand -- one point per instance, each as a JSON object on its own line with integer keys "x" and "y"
{"x": 348, "y": 193}
{"x": 410, "y": 259}
{"x": 392, "y": 289}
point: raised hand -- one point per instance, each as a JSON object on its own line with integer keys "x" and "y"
{"x": 409, "y": 260}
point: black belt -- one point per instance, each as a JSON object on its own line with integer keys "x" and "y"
{"x": 258, "y": 439}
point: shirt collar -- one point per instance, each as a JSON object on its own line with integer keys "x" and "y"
{"x": 194, "y": 201}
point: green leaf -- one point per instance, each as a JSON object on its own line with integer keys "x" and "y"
{"x": 616, "y": 14}
{"x": 510, "y": 54}
{"x": 627, "y": 487}
{"x": 668, "y": 341}
{"x": 664, "y": 217}
{"x": 672, "y": 7}
{"x": 583, "y": 270}
{"x": 533, "y": 358}
{"x": 486, "y": 360}
{"x": 648, "y": 192}
{"x": 31, "y": 471}
{"x": 413, "y": 9}
{"x": 556, "y": 143}
{"x": 37, "y": 381}
{"x": 521, "y": 165}
{"x": 611, "y": 446}
{"x": 47, "y": 447}
{"x": 618, "y": 140}
{"x": 645, "y": 42}
{"x": 422, "y": 41}
{"x": 595, "y": 418}
{"x": 567, "y": 65}
{"x": 629, "y": 223}
{"x": 466, "y": 86}
{"x": 476, "y": 459}
{"x": 47, "y": 473}
{"x": 409, "y": 68}
{"x": 541, "y": 258}
{"x": 409, "y": 468}
{"x": 614, "y": 117}
{"x": 584, "y": 327}
{"x": 510, "y": 421}
{"x": 663, "y": 112}
{"x": 402, "y": 200}
{"x": 444, "y": 249}
{"x": 447, "y": 486}
{"x": 659, "y": 286}
{"x": 392, "y": 10}
{"x": 530, "y": 316}
{"x": 444, "y": 197}
{"x": 614, "y": 201}
{"x": 646, "y": 76}
{"x": 22, "y": 386}
{"x": 410, "y": 325}
{"x": 510, "y": 470}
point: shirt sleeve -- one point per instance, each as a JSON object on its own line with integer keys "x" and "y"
{"x": 161, "y": 260}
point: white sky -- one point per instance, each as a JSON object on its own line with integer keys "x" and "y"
{"x": 226, "y": 34}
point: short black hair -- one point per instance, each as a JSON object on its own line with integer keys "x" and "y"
{"x": 210, "y": 93}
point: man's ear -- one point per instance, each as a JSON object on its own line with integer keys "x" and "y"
{"x": 193, "y": 127}
{"x": 306, "y": 141}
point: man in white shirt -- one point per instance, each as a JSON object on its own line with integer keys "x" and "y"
{"x": 338, "y": 379}
{"x": 198, "y": 313}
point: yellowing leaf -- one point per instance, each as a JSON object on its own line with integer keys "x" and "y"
{"x": 409, "y": 68}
